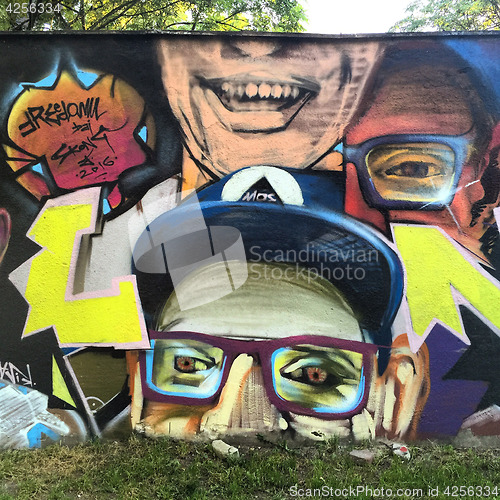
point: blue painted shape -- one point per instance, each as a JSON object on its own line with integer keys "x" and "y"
{"x": 143, "y": 133}
{"x": 2, "y": 385}
{"x": 86, "y": 77}
{"x": 484, "y": 57}
{"x": 37, "y": 431}
{"x": 106, "y": 208}
{"x": 38, "y": 168}
{"x": 22, "y": 389}
{"x": 47, "y": 81}
{"x": 68, "y": 350}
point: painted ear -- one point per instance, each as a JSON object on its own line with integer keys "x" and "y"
{"x": 402, "y": 391}
{"x": 4, "y": 231}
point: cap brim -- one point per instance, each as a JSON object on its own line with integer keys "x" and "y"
{"x": 347, "y": 253}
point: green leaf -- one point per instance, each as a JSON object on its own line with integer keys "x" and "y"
{"x": 450, "y": 15}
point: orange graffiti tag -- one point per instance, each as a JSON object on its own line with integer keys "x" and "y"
{"x": 70, "y": 136}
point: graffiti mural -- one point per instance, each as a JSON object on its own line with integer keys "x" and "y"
{"x": 210, "y": 236}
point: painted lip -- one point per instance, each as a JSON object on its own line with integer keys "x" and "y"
{"x": 261, "y": 92}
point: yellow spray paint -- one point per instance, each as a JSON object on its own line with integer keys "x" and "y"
{"x": 435, "y": 266}
{"x": 59, "y": 387}
{"x": 111, "y": 317}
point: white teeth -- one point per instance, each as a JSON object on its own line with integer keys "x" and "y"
{"x": 251, "y": 90}
{"x": 276, "y": 91}
{"x": 240, "y": 90}
{"x": 264, "y": 90}
{"x": 228, "y": 89}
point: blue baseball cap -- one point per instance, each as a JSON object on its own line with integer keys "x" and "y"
{"x": 287, "y": 216}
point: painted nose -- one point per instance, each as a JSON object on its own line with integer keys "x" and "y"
{"x": 243, "y": 407}
{"x": 255, "y": 49}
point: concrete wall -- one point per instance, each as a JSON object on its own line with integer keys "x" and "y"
{"x": 210, "y": 236}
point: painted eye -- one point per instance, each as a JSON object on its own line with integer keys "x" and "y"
{"x": 185, "y": 364}
{"x": 415, "y": 169}
{"x": 312, "y": 375}
{"x": 315, "y": 374}
{"x": 189, "y": 364}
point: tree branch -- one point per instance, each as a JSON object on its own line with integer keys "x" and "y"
{"x": 81, "y": 14}
{"x": 63, "y": 20}
{"x": 177, "y": 24}
{"x": 235, "y": 13}
{"x": 195, "y": 22}
{"x": 138, "y": 14}
{"x": 131, "y": 3}
{"x": 108, "y": 17}
{"x": 68, "y": 7}
{"x": 229, "y": 25}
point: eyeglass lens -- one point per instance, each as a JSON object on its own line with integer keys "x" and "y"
{"x": 184, "y": 367}
{"x": 423, "y": 172}
{"x": 320, "y": 378}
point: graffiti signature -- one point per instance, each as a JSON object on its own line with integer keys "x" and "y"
{"x": 9, "y": 371}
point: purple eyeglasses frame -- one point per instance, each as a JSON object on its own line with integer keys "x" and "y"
{"x": 264, "y": 349}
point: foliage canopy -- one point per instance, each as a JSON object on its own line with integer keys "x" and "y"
{"x": 450, "y": 15}
{"x": 220, "y": 15}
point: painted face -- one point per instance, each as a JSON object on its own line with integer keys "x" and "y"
{"x": 4, "y": 231}
{"x": 413, "y": 153}
{"x": 280, "y": 353}
{"x": 263, "y": 102}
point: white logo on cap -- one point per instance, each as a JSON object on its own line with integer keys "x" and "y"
{"x": 284, "y": 184}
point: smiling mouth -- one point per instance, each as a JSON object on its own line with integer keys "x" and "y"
{"x": 260, "y": 95}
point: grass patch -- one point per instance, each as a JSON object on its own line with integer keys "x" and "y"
{"x": 165, "y": 469}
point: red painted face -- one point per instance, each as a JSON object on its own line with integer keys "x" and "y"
{"x": 406, "y": 105}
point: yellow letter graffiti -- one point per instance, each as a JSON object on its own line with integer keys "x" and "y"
{"x": 439, "y": 277}
{"x": 111, "y": 317}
